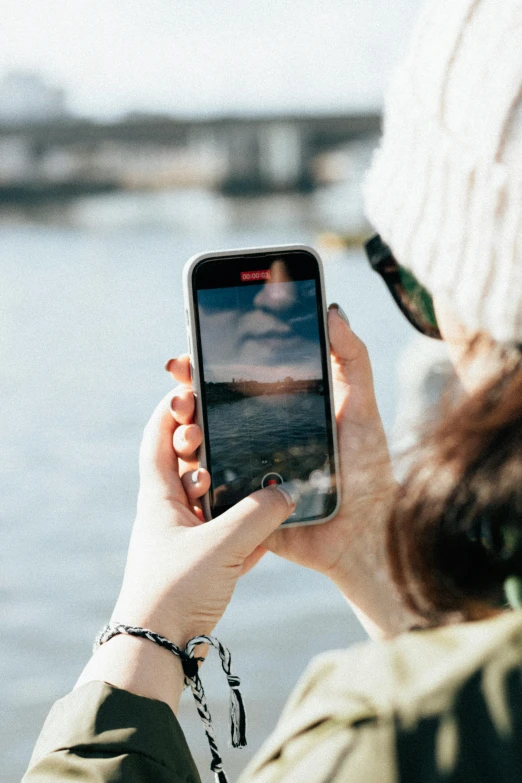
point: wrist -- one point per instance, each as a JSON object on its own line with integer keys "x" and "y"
{"x": 363, "y": 576}
{"x": 157, "y": 617}
{"x": 375, "y": 600}
{"x": 138, "y": 666}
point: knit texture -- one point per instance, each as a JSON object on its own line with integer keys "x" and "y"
{"x": 445, "y": 186}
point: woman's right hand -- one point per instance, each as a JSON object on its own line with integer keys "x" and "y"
{"x": 351, "y": 548}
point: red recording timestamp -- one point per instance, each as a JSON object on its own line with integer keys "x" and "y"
{"x": 257, "y": 274}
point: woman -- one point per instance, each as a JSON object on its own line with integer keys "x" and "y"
{"x": 438, "y": 695}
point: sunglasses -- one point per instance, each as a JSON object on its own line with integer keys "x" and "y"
{"x": 414, "y": 301}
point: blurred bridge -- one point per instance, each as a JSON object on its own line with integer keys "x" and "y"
{"x": 246, "y": 154}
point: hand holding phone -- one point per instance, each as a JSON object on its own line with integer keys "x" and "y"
{"x": 351, "y": 548}
{"x": 261, "y": 375}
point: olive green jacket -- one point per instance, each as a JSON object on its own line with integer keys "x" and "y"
{"x": 429, "y": 706}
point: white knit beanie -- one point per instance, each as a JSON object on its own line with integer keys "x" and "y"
{"x": 445, "y": 186}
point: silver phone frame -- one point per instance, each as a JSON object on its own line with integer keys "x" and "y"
{"x": 190, "y": 321}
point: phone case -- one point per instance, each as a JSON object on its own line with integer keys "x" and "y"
{"x": 190, "y": 322}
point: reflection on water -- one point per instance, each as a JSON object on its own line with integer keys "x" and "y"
{"x": 91, "y": 309}
{"x": 283, "y": 434}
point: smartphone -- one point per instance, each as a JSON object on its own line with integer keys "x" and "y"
{"x": 256, "y": 326}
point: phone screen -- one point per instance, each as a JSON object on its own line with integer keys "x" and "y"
{"x": 264, "y": 380}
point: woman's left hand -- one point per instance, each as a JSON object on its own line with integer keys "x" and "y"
{"x": 181, "y": 572}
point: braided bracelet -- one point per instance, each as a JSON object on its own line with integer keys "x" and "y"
{"x": 190, "y": 670}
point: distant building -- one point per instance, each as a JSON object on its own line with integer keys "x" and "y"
{"x": 26, "y": 97}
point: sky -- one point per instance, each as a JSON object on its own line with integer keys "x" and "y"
{"x": 271, "y": 330}
{"x": 197, "y": 57}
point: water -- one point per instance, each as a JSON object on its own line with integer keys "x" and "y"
{"x": 91, "y": 309}
{"x": 278, "y": 434}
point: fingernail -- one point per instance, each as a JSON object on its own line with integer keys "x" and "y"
{"x": 172, "y": 404}
{"x": 194, "y": 476}
{"x": 168, "y": 364}
{"x": 290, "y": 491}
{"x": 340, "y": 312}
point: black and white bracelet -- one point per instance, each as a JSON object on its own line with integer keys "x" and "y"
{"x": 190, "y": 666}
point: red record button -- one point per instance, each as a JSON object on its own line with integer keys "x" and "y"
{"x": 271, "y": 480}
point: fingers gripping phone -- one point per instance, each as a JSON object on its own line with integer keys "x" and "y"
{"x": 256, "y": 324}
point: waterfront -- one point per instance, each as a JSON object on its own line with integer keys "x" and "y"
{"x": 91, "y": 309}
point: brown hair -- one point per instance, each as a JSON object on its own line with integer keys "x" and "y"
{"x": 455, "y": 534}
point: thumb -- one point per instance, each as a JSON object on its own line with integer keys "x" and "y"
{"x": 354, "y": 393}
{"x": 247, "y": 524}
